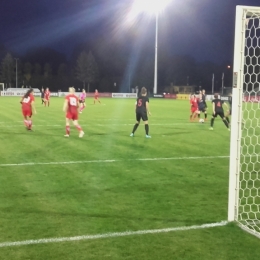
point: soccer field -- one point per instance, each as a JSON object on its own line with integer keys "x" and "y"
{"x": 110, "y": 196}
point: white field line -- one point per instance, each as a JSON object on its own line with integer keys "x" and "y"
{"x": 115, "y": 160}
{"x": 110, "y": 235}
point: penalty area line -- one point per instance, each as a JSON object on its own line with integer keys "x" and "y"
{"x": 114, "y": 160}
{"x": 110, "y": 235}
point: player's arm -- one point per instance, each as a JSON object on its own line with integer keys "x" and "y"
{"x": 147, "y": 108}
{"x": 65, "y": 105}
{"x": 33, "y": 107}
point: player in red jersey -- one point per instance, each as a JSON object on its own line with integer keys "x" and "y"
{"x": 28, "y": 108}
{"x": 96, "y": 97}
{"x": 71, "y": 106}
{"x": 194, "y": 107}
{"x": 47, "y": 95}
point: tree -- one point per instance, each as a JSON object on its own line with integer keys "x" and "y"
{"x": 87, "y": 69}
{"x": 8, "y": 69}
{"x": 92, "y": 69}
{"x": 27, "y": 70}
{"x": 47, "y": 70}
{"x": 62, "y": 70}
{"x": 37, "y": 69}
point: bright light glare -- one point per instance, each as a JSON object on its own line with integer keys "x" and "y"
{"x": 149, "y": 6}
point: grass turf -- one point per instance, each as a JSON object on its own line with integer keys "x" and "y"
{"x": 91, "y": 197}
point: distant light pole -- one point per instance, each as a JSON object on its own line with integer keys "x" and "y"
{"x": 16, "y": 77}
{"x": 153, "y": 7}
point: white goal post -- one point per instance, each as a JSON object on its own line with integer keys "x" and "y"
{"x": 244, "y": 168}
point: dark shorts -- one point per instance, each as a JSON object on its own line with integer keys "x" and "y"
{"x": 82, "y": 101}
{"x": 219, "y": 113}
{"x": 202, "y": 109}
{"x": 141, "y": 115}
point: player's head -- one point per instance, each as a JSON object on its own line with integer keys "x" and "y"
{"x": 71, "y": 90}
{"x": 95, "y": 90}
{"x": 216, "y": 95}
{"x": 27, "y": 94}
{"x": 47, "y": 89}
{"x": 83, "y": 90}
{"x": 203, "y": 91}
{"x": 143, "y": 91}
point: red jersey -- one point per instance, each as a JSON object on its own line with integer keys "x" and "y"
{"x": 47, "y": 94}
{"x": 72, "y": 100}
{"x": 96, "y": 93}
{"x": 27, "y": 102}
{"x": 194, "y": 103}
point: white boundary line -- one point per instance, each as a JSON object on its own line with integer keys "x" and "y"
{"x": 113, "y": 160}
{"x": 110, "y": 235}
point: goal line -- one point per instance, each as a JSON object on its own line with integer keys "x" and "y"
{"x": 110, "y": 235}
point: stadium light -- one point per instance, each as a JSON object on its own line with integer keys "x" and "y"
{"x": 152, "y": 7}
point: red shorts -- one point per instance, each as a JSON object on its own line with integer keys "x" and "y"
{"x": 194, "y": 109}
{"x": 27, "y": 112}
{"x": 95, "y": 97}
{"x": 72, "y": 115}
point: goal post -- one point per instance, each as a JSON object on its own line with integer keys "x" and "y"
{"x": 244, "y": 167}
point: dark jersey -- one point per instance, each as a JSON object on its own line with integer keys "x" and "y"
{"x": 42, "y": 94}
{"x": 141, "y": 104}
{"x": 218, "y": 105}
{"x": 204, "y": 99}
{"x": 201, "y": 104}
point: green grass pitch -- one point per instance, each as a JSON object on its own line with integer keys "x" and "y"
{"x": 104, "y": 183}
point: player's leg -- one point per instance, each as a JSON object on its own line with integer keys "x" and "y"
{"x": 67, "y": 126}
{"x": 227, "y": 116}
{"x": 212, "y": 121}
{"x": 195, "y": 113}
{"x": 199, "y": 113}
{"x": 138, "y": 118}
{"x": 48, "y": 102}
{"x": 224, "y": 120}
{"x": 98, "y": 101}
{"x": 205, "y": 114}
{"x": 30, "y": 121}
{"x": 76, "y": 124}
{"x": 146, "y": 125}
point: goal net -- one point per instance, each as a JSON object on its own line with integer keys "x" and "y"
{"x": 244, "y": 171}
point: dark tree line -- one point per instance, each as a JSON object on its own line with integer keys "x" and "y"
{"x": 109, "y": 66}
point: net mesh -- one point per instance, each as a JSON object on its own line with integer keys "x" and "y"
{"x": 249, "y": 182}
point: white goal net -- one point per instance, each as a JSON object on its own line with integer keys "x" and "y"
{"x": 244, "y": 185}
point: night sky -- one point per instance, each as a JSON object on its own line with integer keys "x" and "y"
{"x": 201, "y": 28}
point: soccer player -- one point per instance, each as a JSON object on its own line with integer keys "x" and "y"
{"x": 71, "y": 106}
{"x": 47, "y": 95}
{"x": 193, "y": 107}
{"x": 96, "y": 97}
{"x": 142, "y": 108}
{"x": 229, "y": 112}
{"x": 82, "y": 98}
{"x": 205, "y": 103}
{"x": 217, "y": 110}
{"x": 28, "y": 106}
{"x": 201, "y": 106}
{"x": 42, "y": 96}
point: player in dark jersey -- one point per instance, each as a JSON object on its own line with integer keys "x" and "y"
{"x": 42, "y": 95}
{"x": 203, "y": 93}
{"x": 201, "y": 106}
{"x": 217, "y": 110}
{"x": 142, "y": 108}
{"x": 229, "y": 112}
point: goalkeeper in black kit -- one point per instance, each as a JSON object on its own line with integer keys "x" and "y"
{"x": 217, "y": 110}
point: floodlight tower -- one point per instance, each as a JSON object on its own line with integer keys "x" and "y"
{"x": 154, "y": 7}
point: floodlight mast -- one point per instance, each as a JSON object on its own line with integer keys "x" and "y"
{"x": 156, "y": 55}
